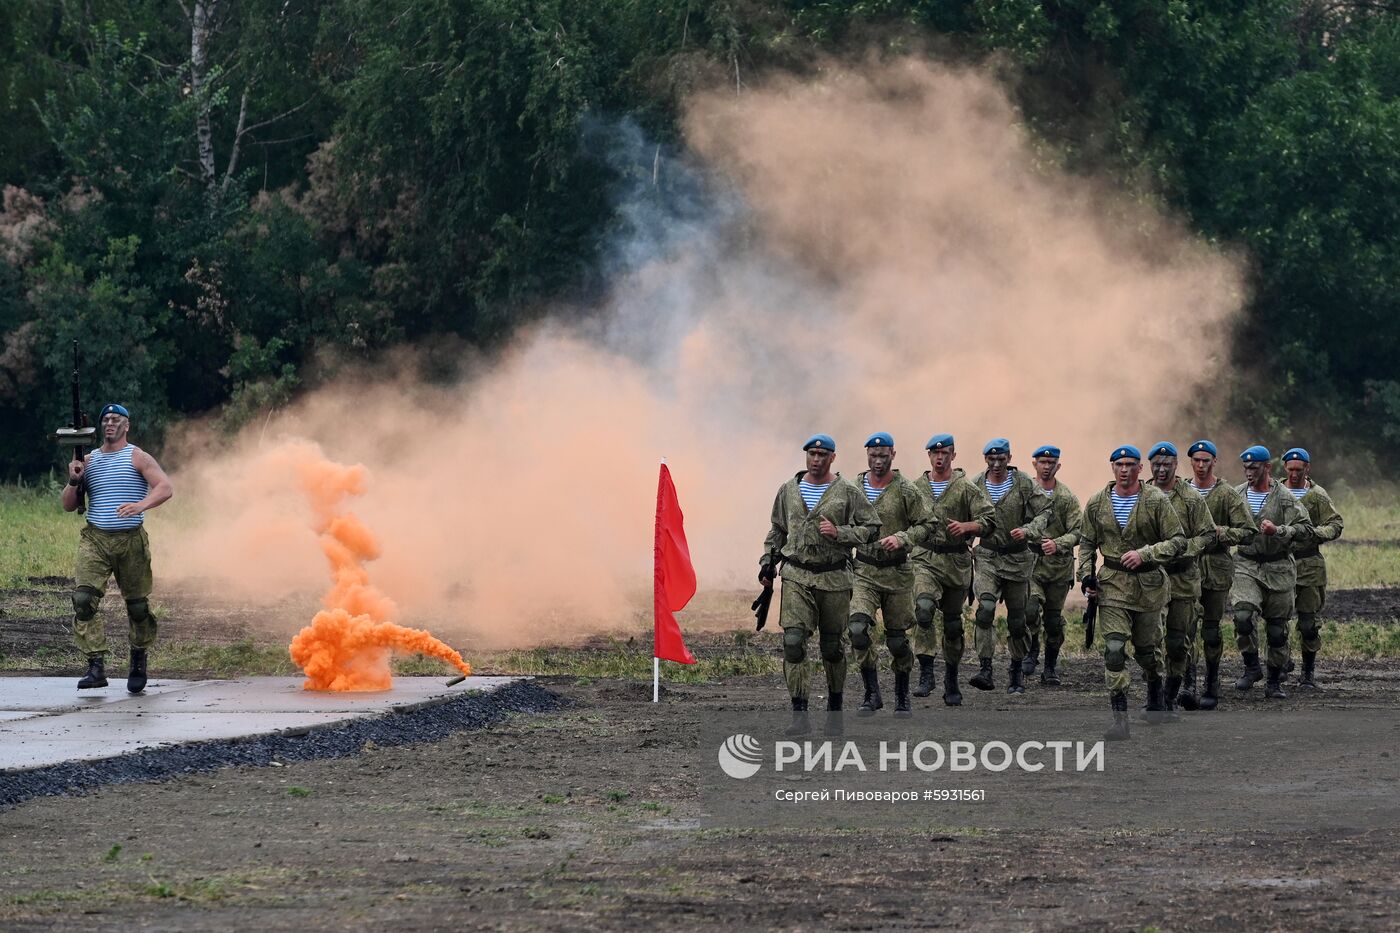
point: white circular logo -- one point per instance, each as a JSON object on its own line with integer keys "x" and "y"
{"x": 740, "y": 756}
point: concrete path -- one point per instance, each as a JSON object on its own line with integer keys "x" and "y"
{"x": 47, "y": 721}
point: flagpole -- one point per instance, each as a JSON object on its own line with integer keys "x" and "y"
{"x": 655, "y": 661}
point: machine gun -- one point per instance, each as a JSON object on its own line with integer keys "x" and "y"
{"x": 1091, "y": 614}
{"x": 80, "y": 434}
{"x": 765, "y": 597}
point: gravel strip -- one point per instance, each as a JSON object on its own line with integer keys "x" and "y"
{"x": 422, "y": 724}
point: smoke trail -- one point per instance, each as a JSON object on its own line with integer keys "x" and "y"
{"x": 879, "y": 249}
{"x": 347, "y": 644}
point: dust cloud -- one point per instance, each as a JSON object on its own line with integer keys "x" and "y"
{"x": 876, "y": 249}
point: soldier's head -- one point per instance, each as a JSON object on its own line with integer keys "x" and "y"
{"x": 997, "y": 453}
{"x": 941, "y": 453}
{"x": 1047, "y": 462}
{"x": 1127, "y": 464}
{"x": 879, "y": 453}
{"x": 1202, "y": 454}
{"x": 1298, "y": 465}
{"x": 821, "y": 451}
{"x": 115, "y": 422}
{"x": 1257, "y": 461}
{"x": 1163, "y": 458}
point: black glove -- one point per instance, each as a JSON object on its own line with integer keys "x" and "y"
{"x": 1090, "y": 582}
{"x": 760, "y": 607}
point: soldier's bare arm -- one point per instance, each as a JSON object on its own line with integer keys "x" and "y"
{"x": 158, "y": 486}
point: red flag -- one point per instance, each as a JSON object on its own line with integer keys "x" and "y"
{"x": 675, "y": 577}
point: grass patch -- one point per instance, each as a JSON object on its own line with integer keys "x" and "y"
{"x": 630, "y": 661}
{"x": 296, "y": 791}
{"x": 40, "y": 539}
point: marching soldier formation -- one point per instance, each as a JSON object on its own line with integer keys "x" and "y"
{"x": 1155, "y": 557}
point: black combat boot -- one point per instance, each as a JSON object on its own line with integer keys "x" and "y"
{"x": 1252, "y": 672}
{"x": 1187, "y": 697}
{"x": 1032, "y": 658}
{"x": 1274, "y": 688}
{"x": 926, "y": 678}
{"x": 800, "y": 724}
{"x": 1309, "y": 660}
{"x": 833, "y": 702}
{"x": 1287, "y": 669}
{"x": 952, "y": 696}
{"x": 1169, "y": 698}
{"x": 1156, "y": 710}
{"x": 982, "y": 680}
{"x": 872, "y": 700}
{"x": 902, "y": 708}
{"x": 1210, "y": 696}
{"x": 1018, "y": 672}
{"x": 136, "y": 680}
{"x": 1119, "y": 730}
{"x": 1049, "y": 676}
{"x": 97, "y": 673}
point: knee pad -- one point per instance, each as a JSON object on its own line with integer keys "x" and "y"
{"x": 1016, "y": 624}
{"x": 1032, "y": 609}
{"x": 953, "y": 624}
{"x": 898, "y": 643}
{"x": 1276, "y": 631}
{"x": 833, "y": 651}
{"x": 794, "y": 645}
{"x": 85, "y": 602}
{"x": 1210, "y": 634}
{"x": 1307, "y": 624}
{"x": 138, "y": 610}
{"x": 1055, "y": 625}
{"x": 1115, "y": 653}
{"x": 860, "y": 627}
{"x": 923, "y": 611}
{"x": 1176, "y": 644}
{"x": 1244, "y": 620}
{"x": 986, "y": 611}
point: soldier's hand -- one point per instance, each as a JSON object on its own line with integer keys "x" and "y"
{"x": 827, "y": 529}
{"x": 1220, "y": 530}
{"x": 129, "y": 509}
{"x": 1018, "y": 534}
{"x": 75, "y": 469}
{"x": 765, "y": 577}
{"x": 891, "y": 543}
{"x": 1268, "y": 527}
{"x": 1132, "y": 560}
{"x": 1047, "y": 547}
{"x": 961, "y": 529}
{"x": 1091, "y": 591}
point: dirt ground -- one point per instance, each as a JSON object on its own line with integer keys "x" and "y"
{"x": 590, "y": 817}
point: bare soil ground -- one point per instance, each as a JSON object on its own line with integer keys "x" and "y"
{"x": 589, "y": 817}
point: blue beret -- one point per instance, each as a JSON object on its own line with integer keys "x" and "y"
{"x": 1127, "y": 450}
{"x": 1200, "y": 445}
{"x": 114, "y": 408}
{"x": 1296, "y": 453}
{"x": 1046, "y": 450}
{"x": 1256, "y": 454}
{"x": 822, "y": 441}
{"x": 879, "y": 439}
{"x": 939, "y": 441}
{"x": 1162, "y": 447}
{"x": 997, "y": 445}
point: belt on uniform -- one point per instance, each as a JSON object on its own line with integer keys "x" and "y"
{"x": 1112, "y": 564}
{"x": 816, "y": 568}
{"x": 882, "y": 561}
{"x": 1217, "y": 549}
{"x": 949, "y": 549}
{"x": 1266, "y": 559}
{"x": 1016, "y": 548}
{"x": 1307, "y": 552}
{"x": 1180, "y": 566}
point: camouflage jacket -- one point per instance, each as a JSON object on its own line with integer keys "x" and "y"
{"x": 962, "y": 501}
{"x": 1268, "y": 558}
{"x": 1022, "y": 507}
{"x": 906, "y": 515}
{"x": 1228, "y": 510}
{"x": 1184, "y": 573}
{"x": 795, "y": 535}
{"x": 1062, "y": 525}
{"x": 1327, "y": 526}
{"x": 1153, "y": 530}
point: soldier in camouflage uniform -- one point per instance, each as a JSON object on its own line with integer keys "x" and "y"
{"x": 813, "y": 542}
{"x": 1183, "y": 573}
{"x": 884, "y": 577}
{"x": 943, "y": 568}
{"x": 1265, "y": 573}
{"x": 1311, "y": 592}
{"x": 1233, "y": 525}
{"x": 1003, "y": 561}
{"x": 1136, "y": 528}
{"x": 1054, "y": 566}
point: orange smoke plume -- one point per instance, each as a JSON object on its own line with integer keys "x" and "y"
{"x": 347, "y": 645}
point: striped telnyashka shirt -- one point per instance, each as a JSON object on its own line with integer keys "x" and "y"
{"x": 811, "y": 493}
{"x": 938, "y": 487}
{"x": 997, "y": 490}
{"x": 1203, "y": 490}
{"x": 112, "y": 481}
{"x": 1256, "y": 500}
{"x": 1297, "y": 493}
{"x": 871, "y": 492}
{"x": 1123, "y": 507}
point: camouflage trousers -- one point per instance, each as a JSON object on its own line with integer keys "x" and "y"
{"x": 1309, "y": 601}
{"x": 1047, "y": 601}
{"x": 935, "y": 597}
{"x": 1141, "y": 629}
{"x": 991, "y": 588}
{"x": 1180, "y": 617}
{"x": 1251, "y": 600}
{"x": 103, "y": 555}
{"x": 1210, "y": 611}
{"x": 896, "y": 608}
{"x": 803, "y": 611}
